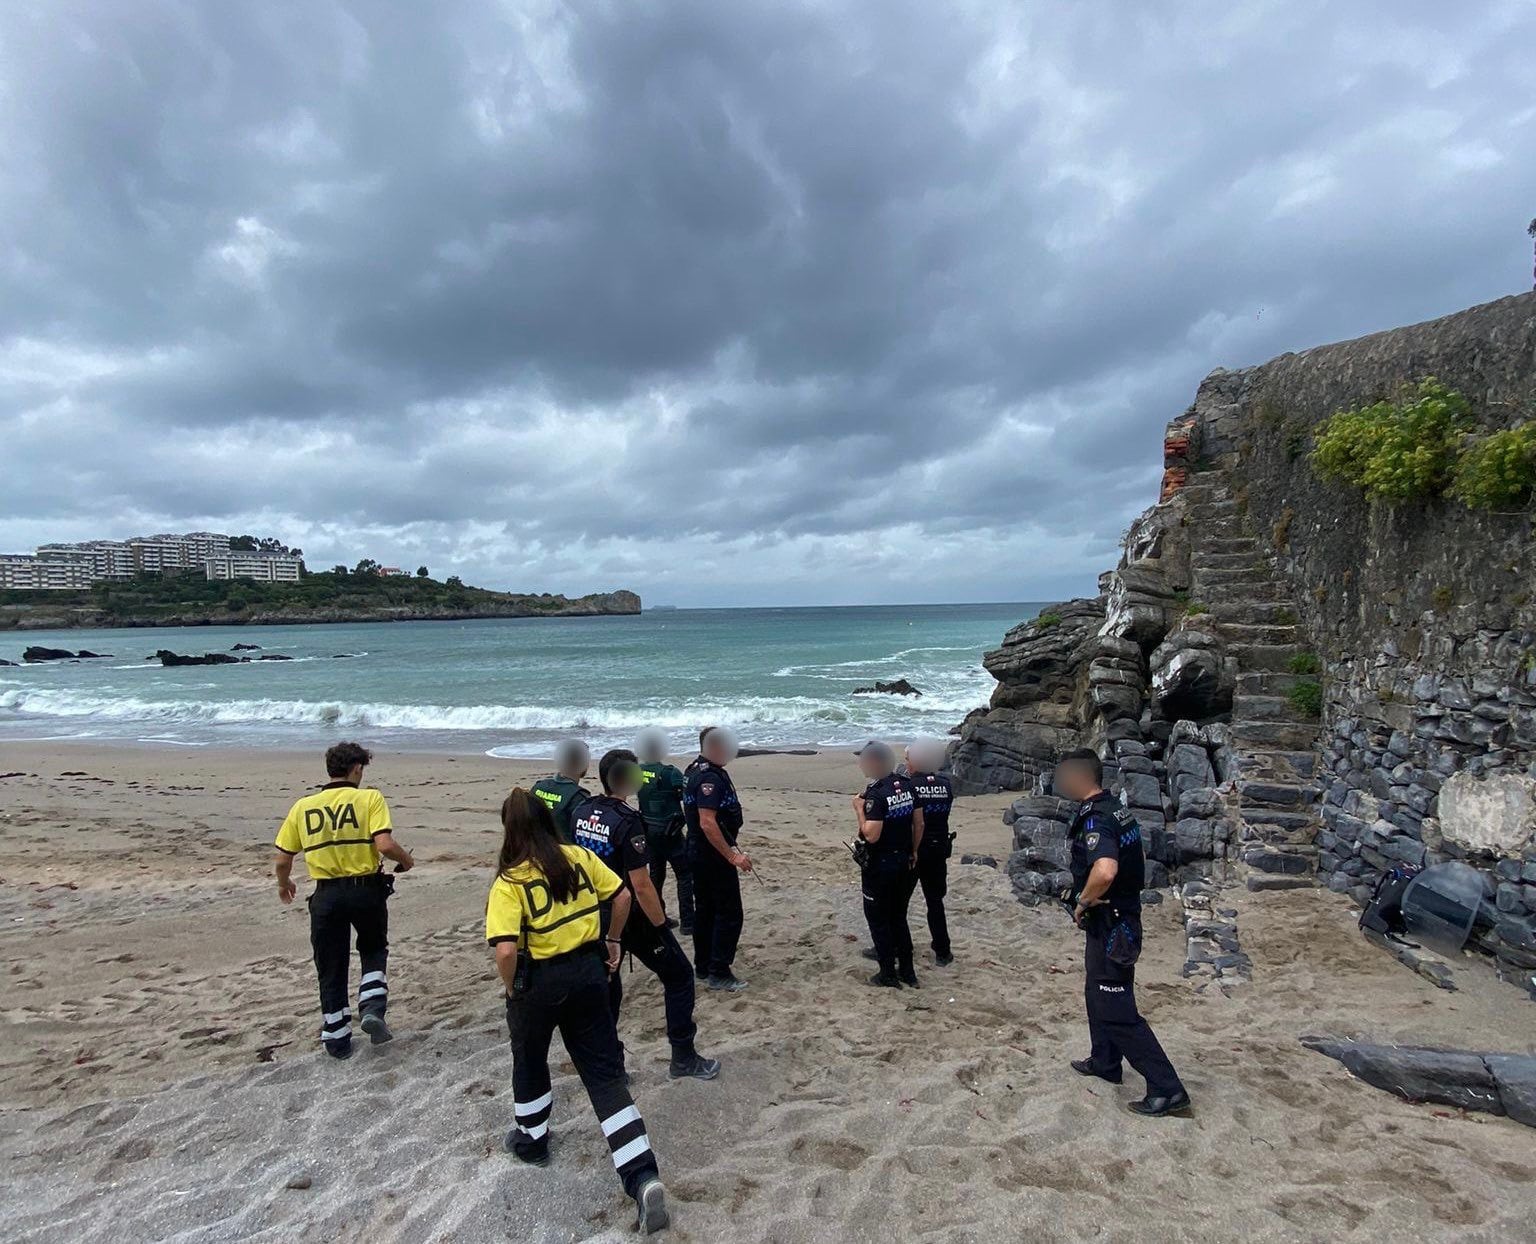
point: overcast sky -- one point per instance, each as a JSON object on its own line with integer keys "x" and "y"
{"x": 730, "y": 303}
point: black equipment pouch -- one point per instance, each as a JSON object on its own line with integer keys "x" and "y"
{"x": 388, "y": 880}
{"x": 522, "y": 978}
{"x": 949, "y": 846}
{"x": 1123, "y": 945}
{"x": 859, "y": 849}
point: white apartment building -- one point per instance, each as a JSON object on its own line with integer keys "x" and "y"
{"x": 22, "y": 571}
{"x": 108, "y": 559}
{"x": 262, "y": 567}
{"x": 169, "y": 554}
{"x": 122, "y": 559}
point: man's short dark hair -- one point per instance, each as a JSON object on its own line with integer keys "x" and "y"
{"x": 340, "y": 760}
{"x": 704, "y": 734}
{"x": 1085, "y": 756}
{"x": 611, "y": 761}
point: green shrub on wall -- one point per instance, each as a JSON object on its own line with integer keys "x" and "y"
{"x": 1396, "y": 451}
{"x": 1498, "y": 472}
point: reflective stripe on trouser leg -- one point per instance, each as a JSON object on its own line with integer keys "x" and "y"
{"x": 336, "y": 1025}
{"x": 533, "y": 1116}
{"x": 372, "y": 993}
{"x": 627, "y": 1141}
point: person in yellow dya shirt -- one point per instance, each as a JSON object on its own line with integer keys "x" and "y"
{"x": 343, "y": 832}
{"x": 543, "y": 923}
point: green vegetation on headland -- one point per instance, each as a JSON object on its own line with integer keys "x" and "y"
{"x": 330, "y": 596}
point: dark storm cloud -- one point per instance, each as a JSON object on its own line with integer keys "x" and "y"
{"x": 744, "y": 297}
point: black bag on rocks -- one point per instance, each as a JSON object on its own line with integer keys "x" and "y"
{"x": 1384, "y": 913}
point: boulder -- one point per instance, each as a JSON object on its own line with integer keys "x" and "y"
{"x": 169, "y": 658}
{"x": 900, "y": 687}
{"x": 1494, "y": 814}
{"x": 273, "y": 656}
{"x": 245, "y": 648}
{"x": 86, "y": 655}
{"x": 1467, "y": 1079}
{"x": 37, "y": 653}
{"x": 1192, "y": 676}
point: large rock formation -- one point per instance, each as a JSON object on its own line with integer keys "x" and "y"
{"x": 1254, "y": 594}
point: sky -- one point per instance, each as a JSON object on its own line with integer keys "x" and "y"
{"x": 760, "y": 302}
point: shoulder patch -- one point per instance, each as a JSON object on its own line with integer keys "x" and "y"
{"x": 706, "y": 788}
{"x": 1086, "y": 807}
{"x": 1091, "y": 841}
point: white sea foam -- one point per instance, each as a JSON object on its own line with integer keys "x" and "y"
{"x": 751, "y": 711}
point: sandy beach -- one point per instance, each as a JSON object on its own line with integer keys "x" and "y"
{"x": 160, "y": 1077}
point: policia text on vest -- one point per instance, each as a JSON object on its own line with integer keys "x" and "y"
{"x": 344, "y": 833}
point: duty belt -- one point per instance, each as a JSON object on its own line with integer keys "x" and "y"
{"x": 355, "y": 879}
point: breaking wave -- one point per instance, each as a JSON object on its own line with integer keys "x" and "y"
{"x": 758, "y": 711}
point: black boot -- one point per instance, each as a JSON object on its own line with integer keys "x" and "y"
{"x": 1160, "y": 1105}
{"x": 1085, "y": 1067}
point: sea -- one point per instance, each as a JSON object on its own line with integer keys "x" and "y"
{"x": 781, "y": 678}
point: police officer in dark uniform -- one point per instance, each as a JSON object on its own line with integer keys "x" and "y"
{"x": 661, "y": 804}
{"x": 1108, "y": 873}
{"x": 935, "y": 793}
{"x": 891, "y": 830}
{"x": 562, "y": 791}
{"x": 614, "y": 832}
{"x": 713, "y": 812}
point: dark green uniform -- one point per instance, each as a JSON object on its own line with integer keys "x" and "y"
{"x": 661, "y": 804}
{"x": 560, "y": 796}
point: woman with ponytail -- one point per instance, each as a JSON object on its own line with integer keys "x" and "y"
{"x": 542, "y": 921}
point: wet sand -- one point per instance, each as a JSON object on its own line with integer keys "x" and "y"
{"x": 160, "y": 1078}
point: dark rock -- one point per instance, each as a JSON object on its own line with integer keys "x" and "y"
{"x": 169, "y": 658}
{"x": 900, "y": 687}
{"x": 347, "y": 656}
{"x": 245, "y": 648}
{"x": 1514, "y": 1075}
{"x": 84, "y": 655}
{"x": 5, "y": 662}
{"x": 1447, "y": 1077}
{"x": 1273, "y": 881}
{"x": 1151, "y": 898}
{"x": 1142, "y": 789}
{"x": 1200, "y": 801}
{"x": 37, "y": 653}
{"x": 984, "y": 861}
{"x": 273, "y": 656}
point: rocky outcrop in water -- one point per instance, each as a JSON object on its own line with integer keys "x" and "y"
{"x": 168, "y": 658}
{"x": 900, "y": 687}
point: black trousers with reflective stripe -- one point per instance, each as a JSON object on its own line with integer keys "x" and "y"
{"x": 569, "y": 995}
{"x": 1115, "y": 1026}
{"x": 336, "y": 911}
{"x": 887, "y": 889}
{"x": 717, "y": 917}
{"x": 666, "y": 847}
{"x": 659, "y": 951}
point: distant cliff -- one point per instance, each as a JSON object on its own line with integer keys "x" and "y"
{"x": 318, "y": 598}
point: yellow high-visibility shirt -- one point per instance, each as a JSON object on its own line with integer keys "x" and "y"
{"x": 334, "y": 829}
{"x": 554, "y": 927}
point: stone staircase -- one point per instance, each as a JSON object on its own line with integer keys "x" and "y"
{"x": 1274, "y": 741}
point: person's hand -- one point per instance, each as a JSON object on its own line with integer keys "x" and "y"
{"x": 1078, "y": 913}
{"x": 858, "y": 803}
{"x": 615, "y": 953}
{"x": 405, "y": 865}
{"x": 912, "y": 861}
{"x": 286, "y": 890}
{"x": 742, "y": 861}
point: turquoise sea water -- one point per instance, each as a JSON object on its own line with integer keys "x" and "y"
{"x": 781, "y": 677}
